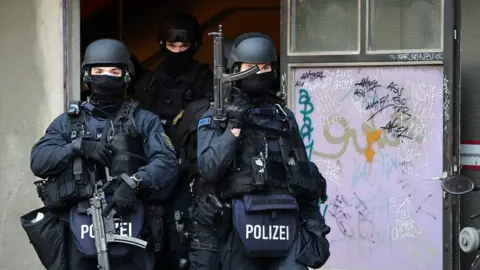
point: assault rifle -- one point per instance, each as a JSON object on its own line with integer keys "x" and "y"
{"x": 104, "y": 225}
{"x": 220, "y": 78}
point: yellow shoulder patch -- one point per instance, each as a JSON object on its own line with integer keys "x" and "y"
{"x": 168, "y": 142}
{"x": 177, "y": 118}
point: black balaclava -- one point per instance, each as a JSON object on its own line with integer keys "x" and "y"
{"x": 257, "y": 85}
{"x": 107, "y": 91}
{"x": 178, "y": 63}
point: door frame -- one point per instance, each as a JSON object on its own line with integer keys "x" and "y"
{"x": 71, "y": 50}
{"x": 450, "y": 60}
{"x": 452, "y": 121}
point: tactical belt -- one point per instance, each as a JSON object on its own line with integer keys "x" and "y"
{"x": 202, "y": 246}
{"x": 198, "y": 245}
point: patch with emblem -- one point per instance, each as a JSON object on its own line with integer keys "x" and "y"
{"x": 177, "y": 118}
{"x": 168, "y": 142}
{"x": 204, "y": 121}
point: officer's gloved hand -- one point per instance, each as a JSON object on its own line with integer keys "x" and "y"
{"x": 98, "y": 151}
{"x": 237, "y": 110}
{"x": 124, "y": 199}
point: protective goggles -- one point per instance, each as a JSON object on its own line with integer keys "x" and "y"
{"x": 180, "y": 35}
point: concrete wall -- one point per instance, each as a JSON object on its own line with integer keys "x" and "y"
{"x": 31, "y": 95}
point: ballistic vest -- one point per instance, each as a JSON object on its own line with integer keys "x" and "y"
{"x": 116, "y": 129}
{"x": 260, "y": 164}
{"x": 167, "y": 97}
{"x": 119, "y": 131}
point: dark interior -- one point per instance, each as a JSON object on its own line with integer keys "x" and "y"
{"x": 136, "y": 23}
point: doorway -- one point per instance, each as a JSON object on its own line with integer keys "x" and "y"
{"x": 136, "y": 24}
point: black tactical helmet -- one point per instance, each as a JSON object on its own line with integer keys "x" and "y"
{"x": 180, "y": 27}
{"x": 107, "y": 51}
{"x": 255, "y": 48}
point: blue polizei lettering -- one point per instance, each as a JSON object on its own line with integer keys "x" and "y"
{"x": 204, "y": 121}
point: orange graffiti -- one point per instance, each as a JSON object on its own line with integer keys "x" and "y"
{"x": 372, "y": 137}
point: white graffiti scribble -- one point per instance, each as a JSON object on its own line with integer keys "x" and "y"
{"x": 325, "y": 104}
{"x": 343, "y": 79}
{"x": 376, "y": 129}
{"x": 404, "y": 224}
{"x": 283, "y": 85}
{"x": 330, "y": 170}
{"x": 417, "y": 57}
{"x": 446, "y": 105}
{"x": 359, "y": 105}
{"x": 422, "y": 103}
{"x": 392, "y": 201}
{"x": 406, "y": 158}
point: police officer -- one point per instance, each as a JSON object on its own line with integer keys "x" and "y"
{"x": 204, "y": 241}
{"x": 269, "y": 191}
{"x": 107, "y": 132}
{"x": 167, "y": 91}
{"x": 179, "y": 79}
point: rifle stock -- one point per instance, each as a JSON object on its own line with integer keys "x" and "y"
{"x": 220, "y": 78}
{"x": 104, "y": 227}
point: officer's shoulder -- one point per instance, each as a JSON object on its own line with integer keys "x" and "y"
{"x": 73, "y": 112}
{"x": 196, "y": 105}
{"x": 142, "y": 114}
{"x": 62, "y": 119}
{"x": 60, "y": 123}
{"x": 289, "y": 114}
{"x": 288, "y": 111}
{"x": 208, "y": 113}
{"x": 206, "y": 119}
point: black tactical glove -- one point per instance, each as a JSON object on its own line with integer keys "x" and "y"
{"x": 98, "y": 151}
{"x": 237, "y": 110}
{"x": 124, "y": 199}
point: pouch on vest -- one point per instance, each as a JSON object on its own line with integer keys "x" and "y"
{"x": 306, "y": 182}
{"x": 48, "y": 192}
{"x": 62, "y": 191}
{"x": 313, "y": 249}
{"x": 81, "y": 228}
{"x": 47, "y": 235}
{"x": 155, "y": 225}
{"x": 266, "y": 224}
{"x": 259, "y": 171}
